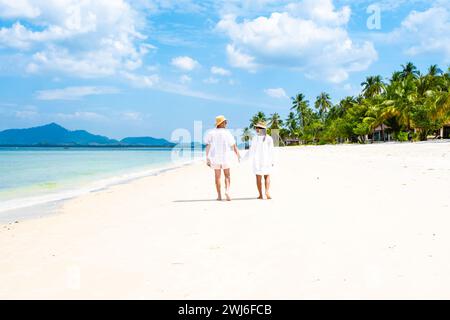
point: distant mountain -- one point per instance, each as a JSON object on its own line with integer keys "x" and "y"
{"x": 51, "y": 134}
{"x": 54, "y": 135}
{"x": 146, "y": 141}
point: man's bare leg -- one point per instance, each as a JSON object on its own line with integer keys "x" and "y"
{"x": 217, "y": 174}
{"x": 259, "y": 186}
{"x": 226, "y": 172}
{"x": 267, "y": 186}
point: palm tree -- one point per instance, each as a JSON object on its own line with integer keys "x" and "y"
{"x": 275, "y": 121}
{"x": 424, "y": 85}
{"x": 347, "y": 103}
{"x": 434, "y": 70}
{"x": 373, "y": 86}
{"x": 409, "y": 70}
{"x": 406, "y": 102}
{"x": 301, "y": 106}
{"x": 291, "y": 125}
{"x": 434, "y": 78}
{"x": 440, "y": 106}
{"x": 401, "y": 98}
{"x": 339, "y": 110}
{"x": 446, "y": 79}
{"x": 396, "y": 76}
{"x": 259, "y": 117}
{"x": 323, "y": 103}
{"x": 247, "y": 135}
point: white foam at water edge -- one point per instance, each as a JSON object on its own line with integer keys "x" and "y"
{"x": 22, "y": 203}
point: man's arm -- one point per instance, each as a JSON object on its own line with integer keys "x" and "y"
{"x": 208, "y": 148}
{"x": 236, "y": 150}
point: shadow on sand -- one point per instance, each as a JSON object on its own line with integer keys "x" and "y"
{"x": 214, "y": 200}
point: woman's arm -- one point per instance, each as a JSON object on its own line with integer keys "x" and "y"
{"x": 272, "y": 151}
{"x": 251, "y": 151}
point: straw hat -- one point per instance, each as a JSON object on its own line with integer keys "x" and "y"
{"x": 220, "y": 120}
{"x": 261, "y": 125}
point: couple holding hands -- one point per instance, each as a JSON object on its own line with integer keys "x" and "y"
{"x": 221, "y": 148}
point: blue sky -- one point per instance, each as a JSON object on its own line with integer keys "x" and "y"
{"x": 147, "y": 67}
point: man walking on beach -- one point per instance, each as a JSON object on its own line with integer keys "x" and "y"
{"x": 220, "y": 145}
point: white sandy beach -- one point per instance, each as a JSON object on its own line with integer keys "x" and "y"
{"x": 346, "y": 222}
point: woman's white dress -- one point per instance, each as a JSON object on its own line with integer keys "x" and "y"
{"x": 261, "y": 154}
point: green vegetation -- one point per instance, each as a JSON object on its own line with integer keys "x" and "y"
{"x": 408, "y": 106}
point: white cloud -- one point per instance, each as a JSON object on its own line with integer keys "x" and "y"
{"x": 89, "y": 116}
{"x": 347, "y": 87}
{"x": 141, "y": 81}
{"x": 152, "y": 68}
{"x": 182, "y": 6}
{"x": 249, "y": 8}
{"x": 241, "y": 60}
{"x": 25, "y": 114}
{"x": 386, "y": 5}
{"x": 183, "y": 90}
{"x": 211, "y": 80}
{"x": 185, "y": 63}
{"x": 73, "y": 93}
{"x": 308, "y": 36}
{"x": 133, "y": 116}
{"x": 220, "y": 71}
{"x": 320, "y": 11}
{"x": 184, "y": 79}
{"x": 83, "y": 38}
{"x": 155, "y": 83}
{"x": 18, "y": 8}
{"x": 424, "y": 32}
{"x": 277, "y": 93}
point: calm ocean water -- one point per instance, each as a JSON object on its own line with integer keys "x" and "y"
{"x": 30, "y": 176}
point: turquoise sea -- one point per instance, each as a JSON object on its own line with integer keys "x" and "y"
{"x": 31, "y": 176}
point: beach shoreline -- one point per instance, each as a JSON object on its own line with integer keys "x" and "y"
{"x": 24, "y": 208}
{"x": 346, "y": 222}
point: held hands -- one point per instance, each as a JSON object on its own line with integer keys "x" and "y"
{"x": 236, "y": 151}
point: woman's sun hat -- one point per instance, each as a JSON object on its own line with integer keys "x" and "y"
{"x": 220, "y": 120}
{"x": 261, "y": 125}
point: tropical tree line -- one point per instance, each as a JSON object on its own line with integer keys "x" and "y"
{"x": 409, "y": 106}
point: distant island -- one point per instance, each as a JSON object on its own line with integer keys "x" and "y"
{"x": 54, "y": 135}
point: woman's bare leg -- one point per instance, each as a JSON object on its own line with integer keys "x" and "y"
{"x": 227, "y": 174}
{"x": 217, "y": 174}
{"x": 267, "y": 186}
{"x": 259, "y": 186}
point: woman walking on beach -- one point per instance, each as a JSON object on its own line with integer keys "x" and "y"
{"x": 261, "y": 154}
{"x": 220, "y": 145}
